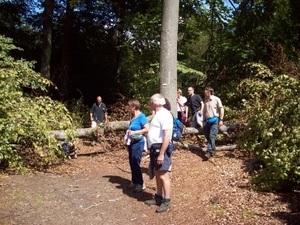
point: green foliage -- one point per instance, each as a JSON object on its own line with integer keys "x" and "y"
{"x": 79, "y": 112}
{"x": 273, "y": 131}
{"x": 190, "y": 77}
{"x": 26, "y": 120}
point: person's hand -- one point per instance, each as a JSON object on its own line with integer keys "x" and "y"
{"x": 133, "y": 132}
{"x": 160, "y": 159}
{"x": 220, "y": 123}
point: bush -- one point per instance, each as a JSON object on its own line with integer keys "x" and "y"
{"x": 273, "y": 131}
{"x": 26, "y": 119}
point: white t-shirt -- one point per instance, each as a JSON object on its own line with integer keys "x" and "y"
{"x": 162, "y": 120}
{"x": 182, "y": 100}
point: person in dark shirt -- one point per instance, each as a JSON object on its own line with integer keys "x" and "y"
{"x": 195, "y": 103}
{"x": 99, "y": 111}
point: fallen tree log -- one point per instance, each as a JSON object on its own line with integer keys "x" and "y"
{"x": 86, "y": 132}
{"x": 218, "y": 148}
{"x": 227, "y": 127}
{"x": 122, "y": 126}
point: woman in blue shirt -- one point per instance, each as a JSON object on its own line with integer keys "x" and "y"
{"x": 136, "y": 142}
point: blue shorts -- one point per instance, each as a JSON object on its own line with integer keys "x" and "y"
{"x": 166, "y": 164}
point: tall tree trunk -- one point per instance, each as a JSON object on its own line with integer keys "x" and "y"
{"x": 121, "y": 13}
{"x": 64, "y": 82}
{"x": 47, "y": 38}
{"x": 168, "y": 52}
{"x": 295, "y": 7}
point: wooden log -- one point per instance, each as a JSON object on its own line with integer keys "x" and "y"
{"x": 229, "y": 127}
{"x": 86, "y": 132}
{"x": 218, "y": 148}
{"x": 122, "y": 126}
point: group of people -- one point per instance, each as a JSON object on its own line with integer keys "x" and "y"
{"x": 208, "y": 114}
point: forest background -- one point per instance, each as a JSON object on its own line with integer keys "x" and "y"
{"x": 57, "y": 56}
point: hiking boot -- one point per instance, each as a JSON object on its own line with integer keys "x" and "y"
{"x": 157, "y": 200}
{"x": 139, "y": 187}
{"x": 208, "y": 155}
{"x": 130, "y": 186}
{"x": 164, "y": 206}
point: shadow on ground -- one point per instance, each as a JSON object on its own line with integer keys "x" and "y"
{"x": 122, "y": 182}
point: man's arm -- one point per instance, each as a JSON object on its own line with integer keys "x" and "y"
{"x": 165, "y": 144}
{"x": 201, "y": 107}
{"x": 106, "y": 117}
{"x": 186, "y": 113}
{"x": 186, "y": 104}
{"x": 221, "y": 116}
{"x": 105, "y": 113}
{"x": 91, "y": 113}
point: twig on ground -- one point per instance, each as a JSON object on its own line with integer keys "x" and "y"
{"x": 93, "y": 205}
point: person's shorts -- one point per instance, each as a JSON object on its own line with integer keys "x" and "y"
{"x": 153, "y": 160}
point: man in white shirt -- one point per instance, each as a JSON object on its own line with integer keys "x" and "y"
{"x": 159, "y": 138}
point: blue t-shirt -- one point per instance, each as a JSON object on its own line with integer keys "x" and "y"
{"x": 138, "y": 123}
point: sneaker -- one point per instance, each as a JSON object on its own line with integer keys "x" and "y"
{"x": 165, "y": 206}
{"x": 130, "y": 186}
{"x": 139, "y": 187}
{"x": 157, "y": 200}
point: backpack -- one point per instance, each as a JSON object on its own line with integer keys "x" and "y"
{"x": 177, "y": 129}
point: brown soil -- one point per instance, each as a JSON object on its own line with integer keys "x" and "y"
{"x": 91, "y": 190}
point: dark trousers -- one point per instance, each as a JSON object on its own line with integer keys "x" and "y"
{"x": 135, "y": 151}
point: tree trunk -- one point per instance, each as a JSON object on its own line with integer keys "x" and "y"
{"x": 192, "y": 147}
{"x": 64, "y": 82}
{"x": 168, "y": 52}
{"x": 122, "y": 126}
{"x": 47, "y": 38}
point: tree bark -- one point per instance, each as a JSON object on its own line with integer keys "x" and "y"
{"x": 122, "y": 126}
{"x": 47, "y": 38}
{"x": 168, "y": 52}
{"x": 218, "y": 148}
{"x": 64, "y": 82}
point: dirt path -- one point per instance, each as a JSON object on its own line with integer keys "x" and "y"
{"x": 91, "y": 190}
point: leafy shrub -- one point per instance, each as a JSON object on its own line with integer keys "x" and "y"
{"x": 26, "y": 120}
{"x": 273, "y": 131}
{"x": 79, "y": 113}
